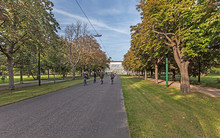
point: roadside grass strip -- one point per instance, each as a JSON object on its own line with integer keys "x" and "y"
{"x": 158, "y": 111}
{"x": 8, "y": 97}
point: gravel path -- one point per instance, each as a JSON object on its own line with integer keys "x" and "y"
{"x": 92, "y": 111}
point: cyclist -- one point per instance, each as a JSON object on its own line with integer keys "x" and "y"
{"x": 94, "y": 75}
{"x": 85, "y": 76}
{"x": 112, "y": 76}
{"x": 102, "y": 77}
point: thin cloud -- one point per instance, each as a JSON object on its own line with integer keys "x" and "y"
{"x": 94, "y": 22}
{"x": 109, "y": 12}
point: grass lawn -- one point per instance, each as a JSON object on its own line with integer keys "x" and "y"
{"x": 8, "y": 97}
{"x": 26, "y": 78}
{"x": 210, "y": 80}
{"x": 157, "y": 111}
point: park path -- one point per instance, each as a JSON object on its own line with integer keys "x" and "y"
{"x": 91, "y": 111}
{"x": 213, "y": 92}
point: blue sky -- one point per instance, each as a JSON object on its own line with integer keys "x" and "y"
{"x": 111, "y": 18}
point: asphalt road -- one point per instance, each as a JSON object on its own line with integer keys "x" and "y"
{"x": 92, "y": 111}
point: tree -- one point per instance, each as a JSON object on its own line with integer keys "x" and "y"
{"x": 21, "y": 21}
{"x": 180, "y": 23}
{"x": 90, "y": 50}
{"x": 3, "y": 67}
{"x": 131, "y": 62}
{"x": 73, "y": 33}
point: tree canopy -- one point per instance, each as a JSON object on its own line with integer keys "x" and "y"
{"x": 186, "y": 29}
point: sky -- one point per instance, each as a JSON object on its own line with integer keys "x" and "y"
{"x": 111, "y": 18}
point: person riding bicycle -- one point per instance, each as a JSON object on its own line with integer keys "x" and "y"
{"x": 102, "y": 77}
{"x": 85, "y": 77}
{"x": 112, "y": 76}
{"x": 94, "y": 75}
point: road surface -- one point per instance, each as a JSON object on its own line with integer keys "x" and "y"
{"x": 92, "y": 111}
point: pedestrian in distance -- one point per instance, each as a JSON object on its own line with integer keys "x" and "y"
{"x": 85, "y": 77}
{"x": 94, "y": 75}
{"x": 102, "y": 77}
{"x": 112, "y": 76}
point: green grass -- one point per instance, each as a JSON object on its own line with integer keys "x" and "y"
{"x": 210, "y": 80}
{"x": 8, "y": 97}
{"x": 30, "y": 78}
{"x": 158, "y": 111}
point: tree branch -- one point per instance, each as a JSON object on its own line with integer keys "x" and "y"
{"x": 3, "y": 51}
{"x": 165, "y": 34}
{"x": 176, "y": 56}
{"x": 21, "y": 38}
{"x": 16, "y": 49}
{"x": 4, "y": 36}
{"x": 171, "y": 45}
{"x": 2, "y": 23}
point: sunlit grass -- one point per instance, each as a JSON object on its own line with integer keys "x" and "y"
{"x": 30, "y": 78}
{"x": 158, "y": 111}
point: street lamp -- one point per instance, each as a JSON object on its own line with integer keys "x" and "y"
{"x": 167, "y": 70}
{"x": 97, "y": 35}
{"x": 39, "y": 73}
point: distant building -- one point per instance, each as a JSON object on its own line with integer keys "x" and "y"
{"x": 116, "y": 67}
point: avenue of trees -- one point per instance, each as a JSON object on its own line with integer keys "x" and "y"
{"x": 185, "y": 31}
{"x": 28, "y": 33}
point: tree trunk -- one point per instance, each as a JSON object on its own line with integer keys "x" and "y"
{"x": 174, "y": 74}
{"x": 89, "y": 73}
{"x": 139, "y": 74}
{"x": 74, "y": 73}
{"x": 151, "y": 73}
{"x": 156, "y": 73}
{"x": 54, "y": 77}
{"x": 145, "y": 74}
{"x": 48, "y": 74}
{"x": 82, "y": 72}
{"x": 33, "y": 75}
{"x": 63, "y": 76}
{"x": 21, "y": 76}
{"x": 183, "y": 66}
{"x": 11, "y": 74}
{"x": 199, "y": 74}
{"x": 185, "y": 85}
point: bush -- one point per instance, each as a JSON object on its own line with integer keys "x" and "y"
{"x": 3, "y": 77}
{"x": 215, "y": 70}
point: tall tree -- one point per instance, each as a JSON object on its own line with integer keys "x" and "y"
{"x": 180, "y": 23}
{"x": 21, "y": 21}
{"x": 73, "y": 34}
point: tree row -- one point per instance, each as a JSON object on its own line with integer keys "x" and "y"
{"x": 29, "y": 42}
{"x": 185, "y": 31}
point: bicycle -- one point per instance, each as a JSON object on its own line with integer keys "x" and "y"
{"x": 112, "y": 80}
{"x": 101, "y": 81}
{"x": 94, "y": 81}
{"x": 85, "y": 82}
